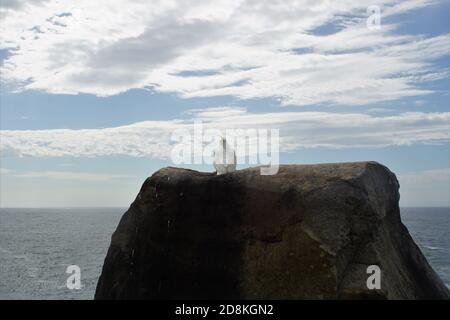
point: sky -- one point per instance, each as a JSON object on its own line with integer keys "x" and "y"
{"x": 91, "y": 91}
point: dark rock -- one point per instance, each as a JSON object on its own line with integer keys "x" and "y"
{"x": 309, "y": 232}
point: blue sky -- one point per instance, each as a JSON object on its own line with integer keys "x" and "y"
{"x": 88, "y": 101}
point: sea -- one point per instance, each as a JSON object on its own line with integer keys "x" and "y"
{"x": 37, "y": 246}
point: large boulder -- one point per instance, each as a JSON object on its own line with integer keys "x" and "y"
{"x": 308, "y": 232}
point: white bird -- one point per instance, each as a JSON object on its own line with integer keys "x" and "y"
{"x": 224, "y": 157}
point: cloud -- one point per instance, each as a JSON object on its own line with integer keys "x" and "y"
{"x": 379, "y": 110}
{"x": 246, "y": 49}
{"x": 297, "y": 130}
{"x": 426, "y": 176}
{"x": 70, "y": 175}
{"x": 63, "y": 175}
{"x": 425, "y": 188}
{"x": 5, "y": 171}
{"x": 18, "y": 4}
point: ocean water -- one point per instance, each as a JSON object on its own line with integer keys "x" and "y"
{"x": 430, "y": 229}
{"x": 37, "y": 246}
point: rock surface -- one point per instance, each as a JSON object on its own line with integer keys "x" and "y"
{"x": 309, "y": 232}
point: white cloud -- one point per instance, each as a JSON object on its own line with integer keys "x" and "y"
{"x": 63, "y": 175}
{"x": 5, "y": 171}
{"x": 425, "y": 188}
{"x": 70, "y": 175}
{"x": 297, "y": 130}
{"x": 379, "y": 110}
{"x": 407, "y": 5}
{"x": 426, "y": 176}
{"x": 7, "y": 5}
{"x": 251, "y": 49}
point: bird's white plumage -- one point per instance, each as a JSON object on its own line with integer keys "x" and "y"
{"x": 224, "y": 158}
